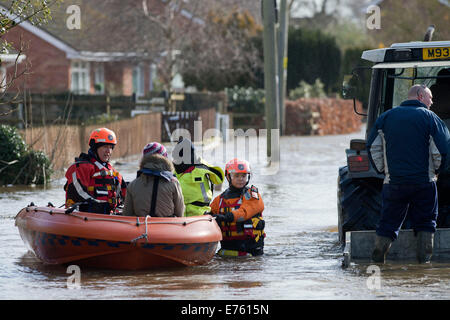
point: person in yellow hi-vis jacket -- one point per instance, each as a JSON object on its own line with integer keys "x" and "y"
{"x": 197, "y": 178}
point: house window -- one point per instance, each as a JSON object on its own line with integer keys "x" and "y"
{"x": 99, "y": 79}
{"x": 138, "y": 81}
{"x": 80, "y": 79}
{"x": 177, "y": 80}
{"x": 153, "y": 77}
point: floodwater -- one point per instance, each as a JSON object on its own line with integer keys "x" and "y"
{"x": 302, "y": 257}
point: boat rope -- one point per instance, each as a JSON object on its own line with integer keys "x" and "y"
{"x": 184, "y": 223}
{"x": 144, "y": 235}
{"x": 137, "y": 223}
{"x": 99, "y": 219}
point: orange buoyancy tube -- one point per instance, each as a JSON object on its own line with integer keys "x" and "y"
{"x": 100, "y": 185}
{"x": 246, "y": 232}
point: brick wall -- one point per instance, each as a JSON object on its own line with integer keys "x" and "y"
{"x": 127, "y": 80}
{"x": 49, "y": 69}
{"x": 48, "y": 66}
{"x": 114, "y": 77}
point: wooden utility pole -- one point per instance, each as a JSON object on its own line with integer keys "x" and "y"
{"x": 270, "y": 69}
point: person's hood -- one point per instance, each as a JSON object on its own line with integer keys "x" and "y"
{"x": 156, "y": 162}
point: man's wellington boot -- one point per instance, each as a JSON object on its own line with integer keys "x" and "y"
{"x": 382, "y": 246}
{"x": 424, "y": 246}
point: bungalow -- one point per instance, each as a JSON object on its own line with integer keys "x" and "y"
{"x": 90, "y": 47}
{"x": 8, "y": 60}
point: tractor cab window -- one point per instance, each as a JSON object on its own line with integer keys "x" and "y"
{"x": 404, "y": 78}
{"x": 440, "y": 88}
{"x": 401, "y": 85}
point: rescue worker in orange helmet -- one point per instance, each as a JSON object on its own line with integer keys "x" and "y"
{"x": 91, "y": 180}
{"x": 238, "y": 211}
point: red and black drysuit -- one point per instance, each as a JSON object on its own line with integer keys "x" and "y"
{"x": 98, "y": 185}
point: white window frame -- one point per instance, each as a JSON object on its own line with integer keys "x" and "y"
{"x": 138, "y": 81}
{"x": 153, "y": 75}
{"x": 82, "y": 85}
{"x": 99, "y": 78}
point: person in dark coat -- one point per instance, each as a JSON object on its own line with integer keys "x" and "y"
{"x": 409, "y": 144}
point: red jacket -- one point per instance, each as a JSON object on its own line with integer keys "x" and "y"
{"x": 97, "y": 184}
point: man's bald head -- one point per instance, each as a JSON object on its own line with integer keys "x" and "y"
{"x": 422, "y": 93}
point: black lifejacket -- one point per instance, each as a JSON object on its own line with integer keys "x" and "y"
{"x": 157, "y": 175}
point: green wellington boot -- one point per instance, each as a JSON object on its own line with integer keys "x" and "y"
{"x": 382, "y": 246}
{"x": 424, "y": 246}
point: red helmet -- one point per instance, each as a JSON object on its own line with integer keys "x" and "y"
{"x": 102, "y": 136}
{"x": 237, "y": 166}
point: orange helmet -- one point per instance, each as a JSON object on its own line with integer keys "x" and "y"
{"x": 237, "y": 166}
{"x": 102, "y": 136}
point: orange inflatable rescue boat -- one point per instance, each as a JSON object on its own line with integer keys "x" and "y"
{"x": 57, "y": 236}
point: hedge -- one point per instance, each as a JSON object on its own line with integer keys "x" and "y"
{"x": 19, "y": 164}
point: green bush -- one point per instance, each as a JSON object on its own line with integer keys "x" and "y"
{"x": 245, "y": 100}
{"x": 312, "y": 55}
{"x": 36, "y": 168}
{"x": 18, "y": 163}
{"x": 306, "y": 90}
{"x": 12, "y": 144}
{"x": 351, "y": 60}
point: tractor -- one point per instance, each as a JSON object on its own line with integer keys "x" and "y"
{"x": 393, "y": 71}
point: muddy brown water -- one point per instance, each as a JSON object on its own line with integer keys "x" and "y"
{"x": 302, "y": 257}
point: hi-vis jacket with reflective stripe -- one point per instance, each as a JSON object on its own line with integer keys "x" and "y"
{"x": 408, "y": 143}
{"x": 196, "y": 186}
{"x": 100, "y": 185}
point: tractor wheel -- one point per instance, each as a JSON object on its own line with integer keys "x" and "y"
{"x": 443, "y": 186}
{"x": 359, "y": 203}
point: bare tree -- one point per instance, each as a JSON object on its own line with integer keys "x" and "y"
{"x": 404, "y": 21}
{"x": 224, "y": 51}
{"x": 175, "y": 21}
{"x": 191, "y": 39}
{"x": 315, "y": 8}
